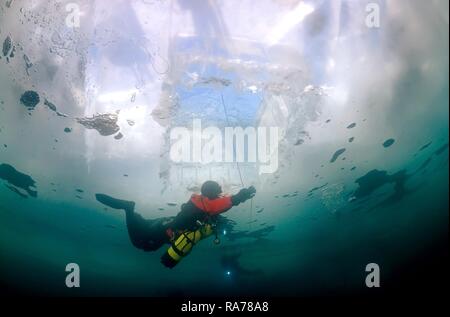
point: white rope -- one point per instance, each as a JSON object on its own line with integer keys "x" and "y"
{"x": 237, "y": 163}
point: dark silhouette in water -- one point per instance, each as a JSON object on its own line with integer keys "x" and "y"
{"x": 196, "y": 220}
{"x": 375, "y": 179}
{"x": 17, "y": 179}
{"x": 231, "y": 264}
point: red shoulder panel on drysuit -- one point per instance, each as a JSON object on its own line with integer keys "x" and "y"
{"x": 212, "y": 206}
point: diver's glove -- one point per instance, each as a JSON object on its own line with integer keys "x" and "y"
{"x": 243, "y": 195}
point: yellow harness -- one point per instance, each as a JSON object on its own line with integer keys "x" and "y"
{"x": 184, "y": 243}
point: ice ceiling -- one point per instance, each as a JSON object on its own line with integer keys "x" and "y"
{"x": 312, "y": 68}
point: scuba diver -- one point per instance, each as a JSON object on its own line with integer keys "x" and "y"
{"x": 196, "y": 220}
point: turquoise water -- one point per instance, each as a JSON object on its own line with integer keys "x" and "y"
{"x": 326, "y": 254}
{"x": 313, "y": 225}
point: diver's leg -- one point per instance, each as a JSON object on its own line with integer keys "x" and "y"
{"x": 135, "y": 227}
{"x": 115, "y": 203}
{"x": 145, "y": 234}
{"x": 135, "y": 223}
{"x": 154, "y": 234}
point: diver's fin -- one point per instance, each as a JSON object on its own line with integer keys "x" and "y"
{"x": 115, "y": 203}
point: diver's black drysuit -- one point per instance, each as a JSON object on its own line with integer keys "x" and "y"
{"x": 147, "y": 234}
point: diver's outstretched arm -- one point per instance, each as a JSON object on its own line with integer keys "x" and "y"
{"x": 243, "y": 195}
